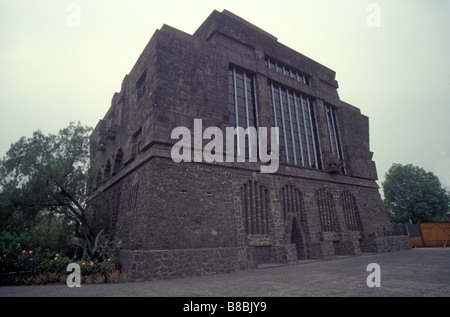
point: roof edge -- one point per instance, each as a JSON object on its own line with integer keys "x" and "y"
{"x": 243, "y": 21}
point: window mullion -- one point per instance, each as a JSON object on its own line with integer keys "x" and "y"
{"x": 333, "y": 125}
{"x": 237, "y": 113}
{"x": 298, "y": 130}
{"x": 274, "y": 108}
{"x": 255, "y": 104}
{"x": 306, "y": 132}
{"x": 292, "y": 129}
{"x": 284, "y": 128}
{"x": 338, "y": 139}
{"x": 330, "y": 132}
{"x": 246, "y": 100}
{"x": 235, "y": 97}
{"x": 310, "y": 106}
{"x": 273, "y": 105}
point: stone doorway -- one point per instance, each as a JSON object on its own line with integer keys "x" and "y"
{"x": 297, "y": 238}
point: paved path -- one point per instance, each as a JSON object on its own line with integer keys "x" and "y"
{"x": 416, "y": 272}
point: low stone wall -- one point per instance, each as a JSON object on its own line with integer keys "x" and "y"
{"x": 145, "y": 265}
{"x": 284, "y": 254}
{"x": 386, "y": 244}
{"x": 393, "y": 243}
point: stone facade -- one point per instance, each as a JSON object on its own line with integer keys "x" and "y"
{"x": 198, "y": 218}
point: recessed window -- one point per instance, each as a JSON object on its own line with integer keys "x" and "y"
{"x": 118, "y": 161}
{"x": 288, "y": 71}
{"x": 255, "y": 207}
{"x": 333, "y": 132}
{"x": 351, "y": 212}
{"x": 327, "y": 211}
{"x": 136, "y": 141}
{"x": 107, "y": 171}
{"x": 140, "y": 85}
{"x": 295, "y": 116}
{"x": 242, "y": 106}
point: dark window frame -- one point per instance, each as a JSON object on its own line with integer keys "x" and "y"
{"x": 334, "y": 133}
{"x": 242, "y": 103}
{"x": 295, "y": 116}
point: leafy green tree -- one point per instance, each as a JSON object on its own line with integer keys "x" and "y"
{"x": 413, "y": 195}
{"x": 47, "y": 174}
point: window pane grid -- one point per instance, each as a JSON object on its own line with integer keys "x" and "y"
{"x": 333, "y": 132}
{"x": 288, "y": 71}
{"x": 242, "y": 105}
{"x": 293, "y": 113}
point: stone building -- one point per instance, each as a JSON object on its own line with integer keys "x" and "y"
{"x": 196, "y": 218}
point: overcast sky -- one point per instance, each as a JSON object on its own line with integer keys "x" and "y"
{"x": 396, "y": 71}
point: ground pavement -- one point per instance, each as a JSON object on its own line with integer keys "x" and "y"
{"x": 410, "y": 273}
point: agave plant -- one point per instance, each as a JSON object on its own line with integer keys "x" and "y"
{"x": 91, "y": 249}
{"x": 99, "y": 278}
{"x": 114, "y": 276}
{"x": 27, "y": 280}
{"x": 53, "y": 277}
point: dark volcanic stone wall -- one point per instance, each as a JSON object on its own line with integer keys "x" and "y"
{"x": 197, "y": 218}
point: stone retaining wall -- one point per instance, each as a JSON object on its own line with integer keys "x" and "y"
{"x": 148, "y": 265}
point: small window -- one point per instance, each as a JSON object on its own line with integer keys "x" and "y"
{"x": 98, "y": 179}
{"x": 140, "y": 85}
{"x": 333, "y": 132}
{"x": 136, "y": 141}
{"x": 287, "y": 71}
{"x": 107, "y": 171}
{"x": 118, "y": 161}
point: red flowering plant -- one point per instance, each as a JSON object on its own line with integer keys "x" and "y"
{"x": 22, "y": 255}
{"x": 16, "y": 259}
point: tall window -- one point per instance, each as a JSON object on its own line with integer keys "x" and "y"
{"x": 333, "y": 132}
{"x": 294, "y": 115}
{"x": 292, "y": 200}
{"x": 255, "y": 206}
{"x": 351, "y": 212}
{"x": 242, "y": 105}
{"x": 327, "y": 211}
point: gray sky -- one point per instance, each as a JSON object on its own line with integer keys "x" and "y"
{"x": 398, "y": 74}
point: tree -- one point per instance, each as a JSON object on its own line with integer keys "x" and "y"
{"x": 48, "y": 174}
{"x": 413, "y": 195}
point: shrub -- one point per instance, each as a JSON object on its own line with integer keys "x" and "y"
{"x": 23, "y": 262}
